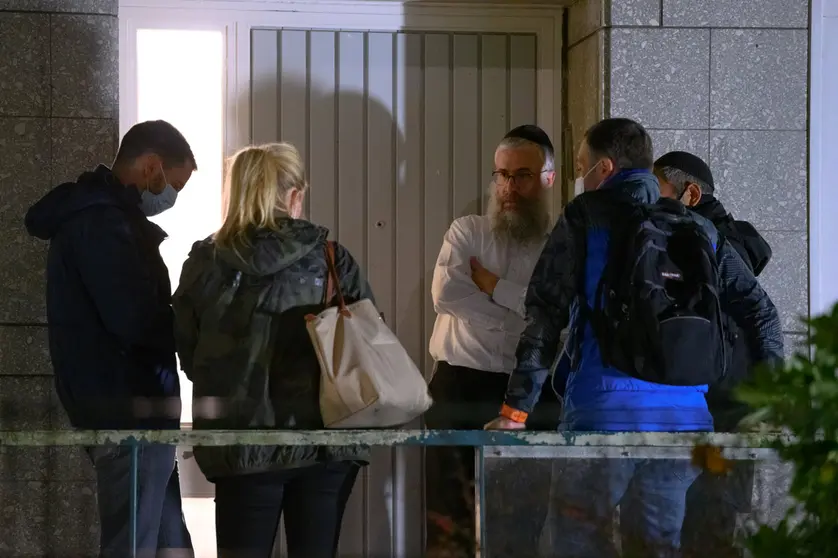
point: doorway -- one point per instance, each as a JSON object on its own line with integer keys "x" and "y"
{"x": 397, "y": 111}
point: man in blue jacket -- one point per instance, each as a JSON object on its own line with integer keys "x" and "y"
{"x": 616, "y": 156}
{"x": 111, "y": 325}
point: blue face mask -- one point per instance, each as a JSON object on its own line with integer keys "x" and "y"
{"x": 154, "y": 204}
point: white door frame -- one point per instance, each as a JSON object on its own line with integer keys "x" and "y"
{"x": 823, "y": 157}
{"x": 237, "y": 18}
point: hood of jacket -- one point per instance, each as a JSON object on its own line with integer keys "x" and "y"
{"x": 96, "y": 188}
{"x": 268, "y": 251}
{"x": 711, "y": 208}
{"x": 744, "y": 237}
{"x": 640, "y": 184}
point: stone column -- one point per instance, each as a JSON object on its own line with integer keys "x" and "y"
{"x": 727, "y": 81}
{"x": 59, "y": 89}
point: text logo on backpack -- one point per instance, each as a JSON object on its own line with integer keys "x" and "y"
{"x": 657, "y": 315}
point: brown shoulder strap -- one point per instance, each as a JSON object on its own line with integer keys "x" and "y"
{"x": 329, "y": 291}
{"x": 332, "y": 279}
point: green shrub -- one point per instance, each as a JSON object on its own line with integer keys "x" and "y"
{"x": 801, "y": 398}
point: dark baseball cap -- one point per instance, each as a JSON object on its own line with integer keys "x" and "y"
{"x": 532, "y": 133}
{"x": 688, "y": 163}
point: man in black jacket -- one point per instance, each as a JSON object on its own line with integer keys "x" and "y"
{"x": 111, "y": 325}
{"x": 714, "y": 501}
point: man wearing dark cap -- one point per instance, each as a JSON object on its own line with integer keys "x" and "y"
{"x": 685, "y": 177}
{"x": 713, "y": 501}
{"x": 479, "y": 285}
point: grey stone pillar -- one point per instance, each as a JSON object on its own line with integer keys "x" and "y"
{"x": 59, "y": 89}
{"x": 727, "y": 81}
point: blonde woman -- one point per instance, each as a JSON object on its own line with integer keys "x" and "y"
{"x": 240, "y": 327}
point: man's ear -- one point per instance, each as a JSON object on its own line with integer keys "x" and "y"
{"x": 608, "y": 167}
{"x": 549, "y": 179}
{"x": 147, "y": 164}
{"x": 692, "y": 195}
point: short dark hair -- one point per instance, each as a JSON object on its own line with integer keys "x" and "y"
{"x": 158, "y": 137}
{"x": 624, "y": 141}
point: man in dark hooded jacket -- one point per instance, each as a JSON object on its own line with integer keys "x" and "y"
{"x": 714, "y": 501}
{"x": 111, "y": 325}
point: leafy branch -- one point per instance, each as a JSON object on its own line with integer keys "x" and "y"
{"x": 801, "y": 397}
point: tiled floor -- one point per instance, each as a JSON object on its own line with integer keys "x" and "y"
{"x": 200, "y": 519}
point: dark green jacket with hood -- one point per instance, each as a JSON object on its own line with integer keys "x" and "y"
{"x": 242, "y": 340}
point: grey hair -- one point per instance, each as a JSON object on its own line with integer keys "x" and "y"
{"x": 517, "y": 143}
{"x": 679, "y": 179}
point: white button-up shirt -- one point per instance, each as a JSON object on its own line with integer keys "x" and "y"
{"x": 473, "y": 329}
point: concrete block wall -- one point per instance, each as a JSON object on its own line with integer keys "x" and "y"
{"x": 58, "y": 117}
{"x": 726, "y": 80}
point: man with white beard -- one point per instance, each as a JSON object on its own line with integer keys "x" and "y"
{"x": 479, "y": 286}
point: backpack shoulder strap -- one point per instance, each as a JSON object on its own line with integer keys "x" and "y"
{"x": 577, "y": 222}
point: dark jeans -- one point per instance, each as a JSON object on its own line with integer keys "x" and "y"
{"x": 650, "y": 493}
{"x": 160, "y": 524}
{"x": 312, "y": 500}
{"x": 517, "y": 494}
{"x": 713, "y": 503}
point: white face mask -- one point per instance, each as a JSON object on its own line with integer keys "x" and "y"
{"x": 578, "y": 186}
{"x": 153, "y": 204}
{"x": 579, "y": 183}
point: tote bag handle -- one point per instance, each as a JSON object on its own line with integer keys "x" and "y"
{"x": 333, "y": 281}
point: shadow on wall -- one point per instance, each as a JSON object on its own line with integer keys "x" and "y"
{"x": 356, "y": 161}
{"x": 359, "y": 162}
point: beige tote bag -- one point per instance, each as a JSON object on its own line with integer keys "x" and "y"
{"x": 367, "y": 379}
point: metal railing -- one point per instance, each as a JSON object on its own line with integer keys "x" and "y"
{"x": 488, "y": 445}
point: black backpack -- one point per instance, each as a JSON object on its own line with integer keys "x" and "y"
{"x": 657, "y": 313}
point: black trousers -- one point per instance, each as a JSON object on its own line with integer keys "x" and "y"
{"x": 713, "y": 504}
{"x": 311, "y": 499}
{"x": 517, "y": 490}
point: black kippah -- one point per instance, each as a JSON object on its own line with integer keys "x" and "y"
{"x": 533, "y": 133}
{"x": 688, "y": 163}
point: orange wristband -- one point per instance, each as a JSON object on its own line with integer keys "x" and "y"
{"x": 513, "y": 414}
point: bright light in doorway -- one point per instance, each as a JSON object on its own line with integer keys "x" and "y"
{"x": 180, "y": 79}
